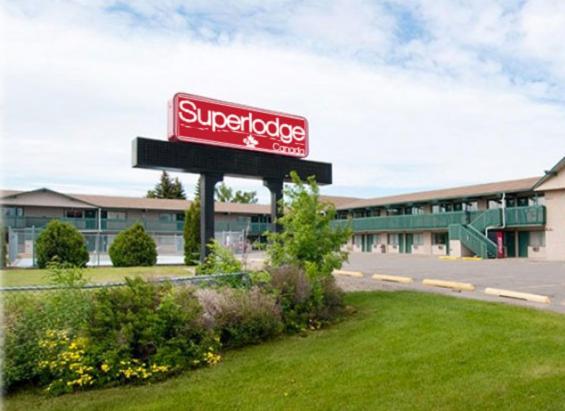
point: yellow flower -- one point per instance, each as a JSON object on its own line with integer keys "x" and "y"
{"x": 105, "y": 367}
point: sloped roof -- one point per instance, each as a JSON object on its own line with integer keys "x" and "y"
{"x": 123, "y": 202}
{"x": 42, "y": 197}
{"x": 551, "y": 173}
{"x": 510, "y": 186}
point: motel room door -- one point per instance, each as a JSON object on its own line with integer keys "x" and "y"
{"x": 510, "y": 242}
{"x": 523, "y": 241}
{"x": 409, "y": 241}
{"x": 367, "y": 244}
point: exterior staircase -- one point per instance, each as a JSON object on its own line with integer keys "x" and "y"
{"x": 472, "y": 235}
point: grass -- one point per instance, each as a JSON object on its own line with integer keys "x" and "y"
{"x": 23, "y": 276}
{"x": 400, "y": 351}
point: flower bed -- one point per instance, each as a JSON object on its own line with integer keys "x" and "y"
{"x": 75, "y": 339}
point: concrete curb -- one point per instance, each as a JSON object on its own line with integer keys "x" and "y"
{"x": 449, "y": 284}
{"x": 348, "y": 273}
{"x": 392, "y": 278}
{"x": 543, "y": 299}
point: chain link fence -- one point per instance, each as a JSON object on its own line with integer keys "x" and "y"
{"x": 170, "y": 246}
{"x": 242, "y": 278}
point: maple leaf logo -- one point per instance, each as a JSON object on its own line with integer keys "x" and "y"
{"x": 250, "y": 141}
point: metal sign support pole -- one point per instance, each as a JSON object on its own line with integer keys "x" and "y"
{"x": 207, "y": 183}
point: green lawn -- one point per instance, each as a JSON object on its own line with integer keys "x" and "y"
{"x": 400, "y": 351}
{"x": 21, "y": 277}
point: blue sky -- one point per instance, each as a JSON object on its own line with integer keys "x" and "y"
{"x": 401, "y": 95}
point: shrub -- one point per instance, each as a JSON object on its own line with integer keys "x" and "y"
{"x": 239, "y": 316}
{"x": 27, "y": 318}
{"x": 305, "y": 302}
{"x": 220, "y": 261}
{"x": 148, "y": 324}
{"x": 133, "y": 247}
{"x": 61, "y": 242}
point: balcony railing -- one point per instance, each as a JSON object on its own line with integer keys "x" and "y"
{"x": 113, "y": 225}
{"x": 515, "y": 217}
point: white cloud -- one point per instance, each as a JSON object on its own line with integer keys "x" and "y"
{"x": 80, "y": 86}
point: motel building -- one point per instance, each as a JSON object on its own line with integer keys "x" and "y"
{"x": 517, "y": 218}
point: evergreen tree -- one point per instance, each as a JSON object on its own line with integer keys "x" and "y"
{"x": 192, "y": 230}
{"x": 167, "y": 188}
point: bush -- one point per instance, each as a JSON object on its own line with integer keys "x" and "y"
{"x": 133, "y": 247}
{"x": 305, "y": 302}
{"x": 239, "y": 316}
{"x": 27, "y": 319}
{"x": 219, "y": 261}
{"x": 148, "y": 324}
{"x": 61, "y": 242}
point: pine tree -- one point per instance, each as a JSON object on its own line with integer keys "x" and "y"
{"x": 167, "y": 188}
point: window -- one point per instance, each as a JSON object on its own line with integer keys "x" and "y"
{"x": 393, "y": 239}
{"x": 419, "y": 239}
{"x": 180, "y": 216}
{"x": 471, "y": 206}
{"x": 115, "y": 215}
{"x": 457, "y": 207}
{"x": 73, "y": 213}
{"x": 534, "y": 201}
{"x": 522, "y": 202}
{"x": 494, "y": 204}
{"x": 417, "y": 210}
{"x": 13, "y": 211}
{"x": 376, "y": 239}
{"x": 358, "y": 241}
{"x": 436, "y": 209}
{"x": 537, "y": 239}
{"x": 439, "y": 238}
{"x": 166, "y": 217}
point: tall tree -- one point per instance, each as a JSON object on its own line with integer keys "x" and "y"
{"x": 225, "y": 194}
{"x": 167, "y": 188}
{"x": 191, "y": 232}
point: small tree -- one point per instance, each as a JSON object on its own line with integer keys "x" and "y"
{"x": 220, "y": 261}
{"x": 308, "y": 238}
{"x": 63, "y": 243}
{"x": 191, "y": 232}
{"x": 167, "y": 188}
{"x": 133, "y": 247}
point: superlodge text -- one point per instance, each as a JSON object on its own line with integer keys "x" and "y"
{"x": 202, "y": 120}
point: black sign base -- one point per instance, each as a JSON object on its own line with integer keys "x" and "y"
{"x": 213, "y": 163}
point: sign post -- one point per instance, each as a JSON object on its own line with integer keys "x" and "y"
{"x": 216, "y": 139}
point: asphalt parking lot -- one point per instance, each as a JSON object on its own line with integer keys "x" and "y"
{"x": 522, "y": 275}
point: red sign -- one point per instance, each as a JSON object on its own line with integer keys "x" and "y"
{"x": 195, "y": 119}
